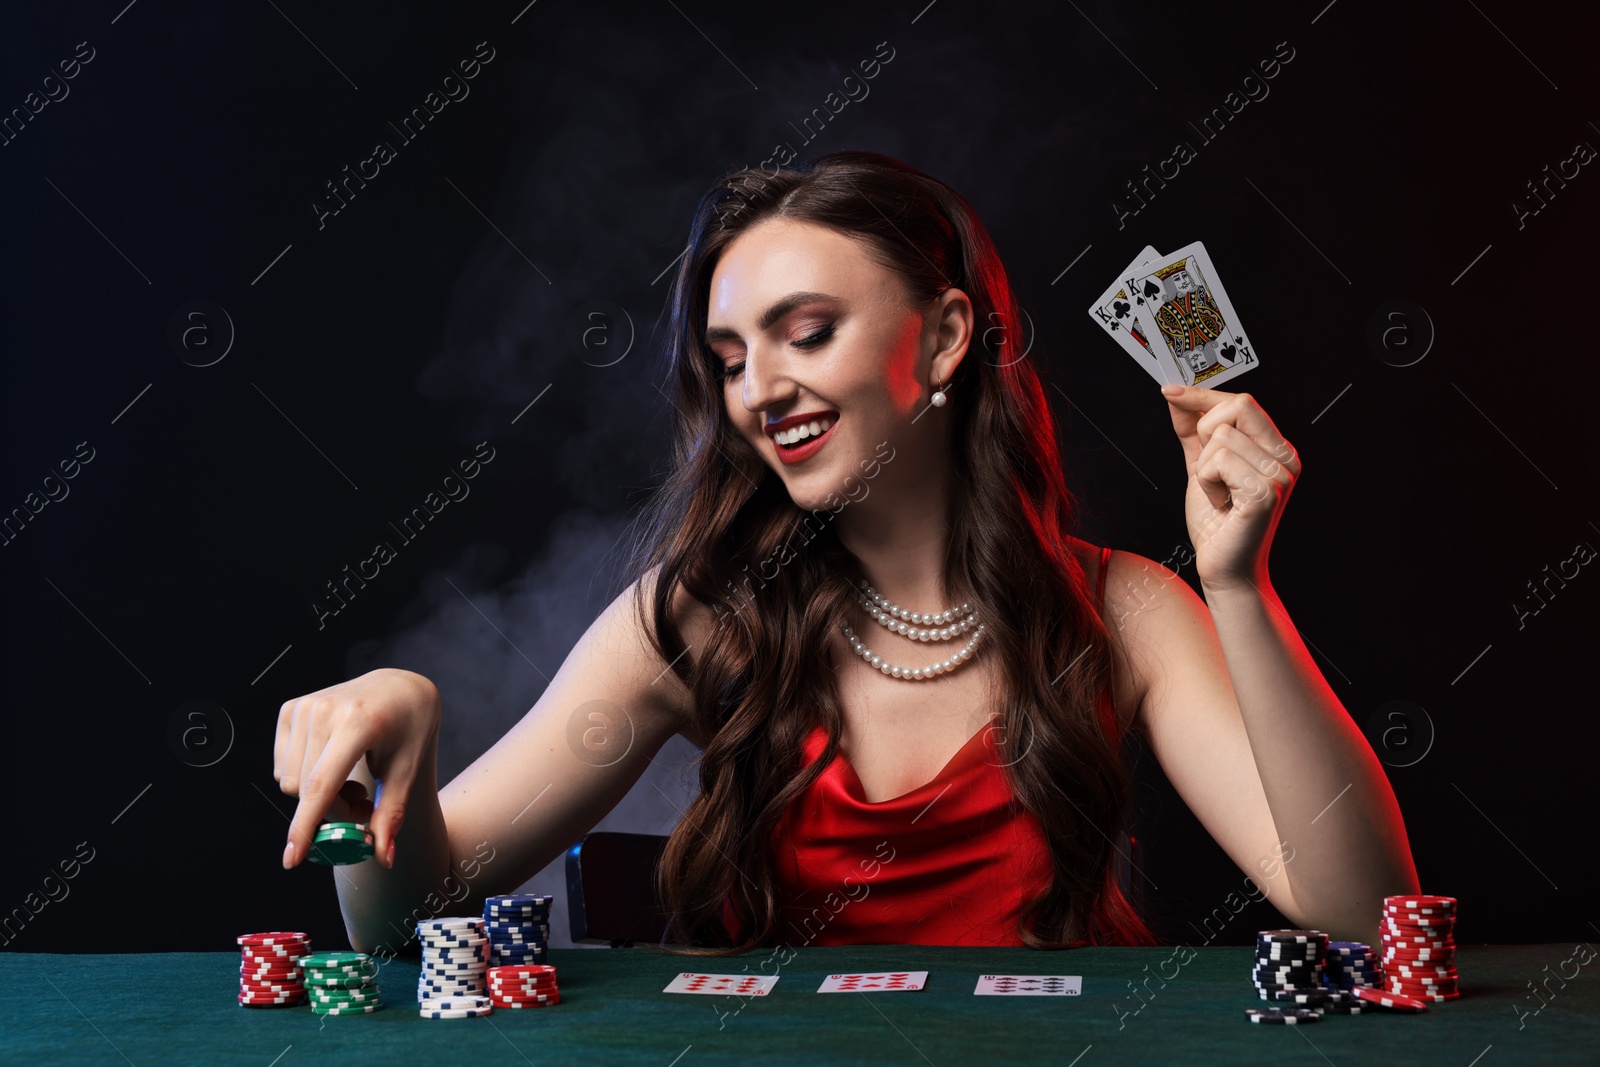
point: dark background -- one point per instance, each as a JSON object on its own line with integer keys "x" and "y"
{"x": 373, "y": 353}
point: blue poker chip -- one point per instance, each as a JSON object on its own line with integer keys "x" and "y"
{"x": 516, "y": 900}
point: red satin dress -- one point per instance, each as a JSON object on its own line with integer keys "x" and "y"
{"x": 952, "y": 862}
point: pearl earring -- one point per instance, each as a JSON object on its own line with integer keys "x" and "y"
{"x": 938, "y": 398}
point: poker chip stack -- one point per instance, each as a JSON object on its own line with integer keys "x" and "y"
{"x": 518, "y": 928}
{"x": 1419, "y": 947}
{"x": 527, "y": 986}
{"x": 270, "y": 974}
{"x": 455, "y": 959}
{"x": 1348, "y": 964}
{"x": 340, "y": 843}
{"x": 342, "y": 983}
{"x": 1288, "y": 963}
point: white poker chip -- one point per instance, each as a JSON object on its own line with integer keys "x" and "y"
{"x": 455, "y": 1003}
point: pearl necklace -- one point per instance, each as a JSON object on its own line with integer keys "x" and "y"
{"x": 940, "y": 626}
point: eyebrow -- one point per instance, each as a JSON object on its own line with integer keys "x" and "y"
{"x": 769, "y": 316}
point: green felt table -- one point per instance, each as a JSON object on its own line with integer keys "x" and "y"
{"x": 179, "y": 1008}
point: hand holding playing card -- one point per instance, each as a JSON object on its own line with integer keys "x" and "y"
{"x": 1241, "y": 472}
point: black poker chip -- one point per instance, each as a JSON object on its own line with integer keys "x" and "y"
{"x": 1282, "y": 1016}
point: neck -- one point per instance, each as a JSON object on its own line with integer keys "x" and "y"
{"x": 901, "y": 539}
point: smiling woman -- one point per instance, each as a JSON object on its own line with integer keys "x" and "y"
{"x": 834, "y": 310}
{"x": 821, "y": 321}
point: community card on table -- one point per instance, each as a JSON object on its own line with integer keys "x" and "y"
{"x": 1185, "y": 314}
{"x": 743, "y": 985}
{"x": 851, "y": 983}
{"x": 1029, "y": 985}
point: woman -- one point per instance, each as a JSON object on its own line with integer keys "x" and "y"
{"x": 861, "y": 563}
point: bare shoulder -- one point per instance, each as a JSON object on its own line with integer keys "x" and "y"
{"x": 693, "y": 621}
{"x": 1155, "y": 619}
{"x": 1134, "y": 587}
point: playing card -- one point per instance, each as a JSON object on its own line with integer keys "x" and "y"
{"x": 1186, "y": 315}
{"x": 742, "y": 985}
{"x": 1029, "y": 985}
{"x": 850, "y": 983}
{"x": 1114, "y": 312}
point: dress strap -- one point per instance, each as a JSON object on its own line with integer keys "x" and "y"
{"x": 1105, "y": 564}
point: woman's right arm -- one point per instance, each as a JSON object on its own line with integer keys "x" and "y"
{"x": 536, "y": 791}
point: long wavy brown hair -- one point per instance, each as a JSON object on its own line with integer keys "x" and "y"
{"x": 760, "y": 682}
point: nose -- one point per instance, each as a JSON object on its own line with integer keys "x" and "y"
{"x": 766, "y": 382}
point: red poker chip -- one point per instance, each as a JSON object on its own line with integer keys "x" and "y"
{"x": 524, "y": 991}
{"x": 246, "y": 998}
{"x": 272, "y": 976}
{"x": 1426, "y": 900}
{"x": 524, "y": 968}
{"x": 1413, "y": 974}
{"x": 1389, "y": 942}
{"x": 1387, "y": 999}
{"x": 275, "y": 937}
{"x": 1439, "y": 982}
{"x": 512, "y": 979}
{"x": 503, "y": 1003}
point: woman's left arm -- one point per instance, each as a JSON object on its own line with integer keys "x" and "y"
{"x": 1327, "y": 793}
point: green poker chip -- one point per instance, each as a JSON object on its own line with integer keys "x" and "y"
{"x": 335, "y": 984}
{"x": 353, "y": 1009}
{"x": 319, "y": 959}
{"x": 340, "y": 853}
{"x": 347, "y": 996}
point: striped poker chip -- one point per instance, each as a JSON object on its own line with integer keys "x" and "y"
{"x": 1421, "y": 901}
{"x": 453, "y": 1003}
{"x": 1290, "y": 1016}
{"x": 274, "y": 938}
{"x": 533, "y": 969}
{"x": 1391, "y": 1000}
{"x": 450, "y": 923}
{"x": 1304, "y": 937}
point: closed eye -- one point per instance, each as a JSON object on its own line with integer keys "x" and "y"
{"x": 813, "y": 341}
